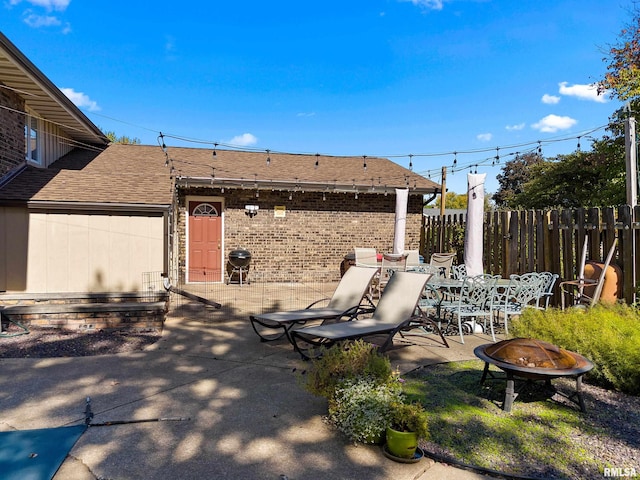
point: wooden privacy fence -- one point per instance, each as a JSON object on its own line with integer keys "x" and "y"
{"x": 521, "y": 241}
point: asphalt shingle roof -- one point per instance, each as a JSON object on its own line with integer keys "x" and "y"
{"x": 137, "y": 174}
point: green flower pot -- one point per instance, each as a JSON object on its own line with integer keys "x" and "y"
{"x": 401, "y": 444}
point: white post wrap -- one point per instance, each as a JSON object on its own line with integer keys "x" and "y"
{"x": 473, "y": 240}
{"x": 402, "y": 196}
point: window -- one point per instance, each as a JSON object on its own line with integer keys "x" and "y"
{"x": 205, "y": 210}
{"x": 32, "y": 140}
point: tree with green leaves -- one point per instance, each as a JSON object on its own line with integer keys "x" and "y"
{"x": 515, "y": 174}
{"x": 123, "y": 139}
{"x": 623, "y": 68}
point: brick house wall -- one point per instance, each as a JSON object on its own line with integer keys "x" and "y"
{"x": 314, "y": 235}
{"x": 12, "y": 147}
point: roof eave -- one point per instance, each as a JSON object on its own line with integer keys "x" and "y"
{"x": 329, "y": 187}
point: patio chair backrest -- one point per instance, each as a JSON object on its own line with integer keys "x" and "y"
{"x": 525, "y": 289}
{"x": 400, "y": 298}
{"x": 443, "y": 261}
{"x": 459, "y": 272}
{"x": 352, "y": 287}
{"x": 598, "y": 291}
{"x": 479, "y": 290}
{"x": 548, "y": 281}
{"x": 366, "y": 257}
{"x": 413, "y": 258}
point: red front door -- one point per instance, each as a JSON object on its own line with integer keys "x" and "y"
{"x": 205, "y": 242}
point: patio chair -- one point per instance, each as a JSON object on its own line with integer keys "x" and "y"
{"x": 349, "y": 298}
{"x": 391, "y": 263}
{"x": 459, "y": 272}
{"x": 413, "y": 258}
{"x": 396, "y": 312}
{"x": 474, "y": 301}
{"x": 522, "y": 291}
{"x": 548, "y": 282}
{"x": 443, "y": 262}
{"x": 586, "y": 291}
{"x": 366, "y": 257}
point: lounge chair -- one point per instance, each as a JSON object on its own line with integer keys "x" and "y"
{"x": 349, "y": 298}
{"x": 397, "y": 311}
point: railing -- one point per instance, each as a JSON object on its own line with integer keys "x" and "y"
{"x": 537, "y": 240}
{"x": 257, "y": 294}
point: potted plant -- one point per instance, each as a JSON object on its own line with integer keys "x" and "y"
{"x": 408, "y": 425}
{"x": 362, "y": 409}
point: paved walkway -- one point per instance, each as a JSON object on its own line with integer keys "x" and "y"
{"x": 245, "y": 416}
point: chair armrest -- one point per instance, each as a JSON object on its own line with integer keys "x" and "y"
{"x": 318, "y": 301}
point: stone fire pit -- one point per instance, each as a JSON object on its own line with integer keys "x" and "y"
{"x": 532, "y": 360}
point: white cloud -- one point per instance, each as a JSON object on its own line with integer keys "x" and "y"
{"x": 553, "y": 123}
{"x": 516, "y": 127}
{"x": 37, "y": 21}
{"x": 550, "y": 99}
{"x": 50, "y": 5}
{"x": 427, "y": 4}
{"x": 484, "y": 137}
{"x": 243, "y": 140}
{"x": 59, "y": 5}
{"x": 80, "y": 100}
{"x": 306, "y": 114}
{"x": 583, "y": 92}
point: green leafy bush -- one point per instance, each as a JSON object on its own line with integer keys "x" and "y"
{"x": 364, "y": 394}
{"x": 345, "y": 361}
{"x": 362, "y": 409}
{"x": 608, "y": 335}
{"x": 410, "y": 417}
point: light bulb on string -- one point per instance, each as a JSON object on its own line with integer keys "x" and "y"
{"x": 268, "y": 157}
{"x": 578, "y": 144}
{"x": 215, "y": 145}
{"x": 317, "y": 160}
{"x": 161, "y": 142}
{"x": 539, "y": 148}
{"x": 497, "y": 154}
{"x": 410, "y": 161}
{"x": 364, "y": 162}
{"x": 455, "y": 159}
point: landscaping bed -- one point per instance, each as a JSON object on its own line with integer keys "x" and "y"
{"x": 545, "y": 435}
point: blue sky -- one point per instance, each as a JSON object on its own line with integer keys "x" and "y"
{"x": 412, "y": 80}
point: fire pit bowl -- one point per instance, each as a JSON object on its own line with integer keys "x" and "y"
{"x": 533, "y": 360}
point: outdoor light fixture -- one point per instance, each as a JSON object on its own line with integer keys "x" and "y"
{"x": 251, "y": 210}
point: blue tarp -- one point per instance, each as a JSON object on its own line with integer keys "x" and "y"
{"x": 36, "y": 454}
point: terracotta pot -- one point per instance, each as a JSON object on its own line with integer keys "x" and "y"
{"x": 401, "y": 444}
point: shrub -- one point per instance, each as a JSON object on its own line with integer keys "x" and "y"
{"x": 608, "y": 335}
{"x": 362, "y": 409}
{"x": 346, "y": 361}
{"x": 409, "y": 417}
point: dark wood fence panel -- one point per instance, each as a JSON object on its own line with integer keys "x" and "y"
{"x": 537, "y": 240}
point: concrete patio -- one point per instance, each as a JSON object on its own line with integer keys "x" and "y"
{"x": 243, "y": 414}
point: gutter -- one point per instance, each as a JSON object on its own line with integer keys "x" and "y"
{"x": 305, "y": 186}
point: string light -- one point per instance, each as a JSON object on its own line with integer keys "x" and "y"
{"x": 489, "y": 161}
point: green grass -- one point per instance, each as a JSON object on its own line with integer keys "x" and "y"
{"x": 467, "y": 424}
